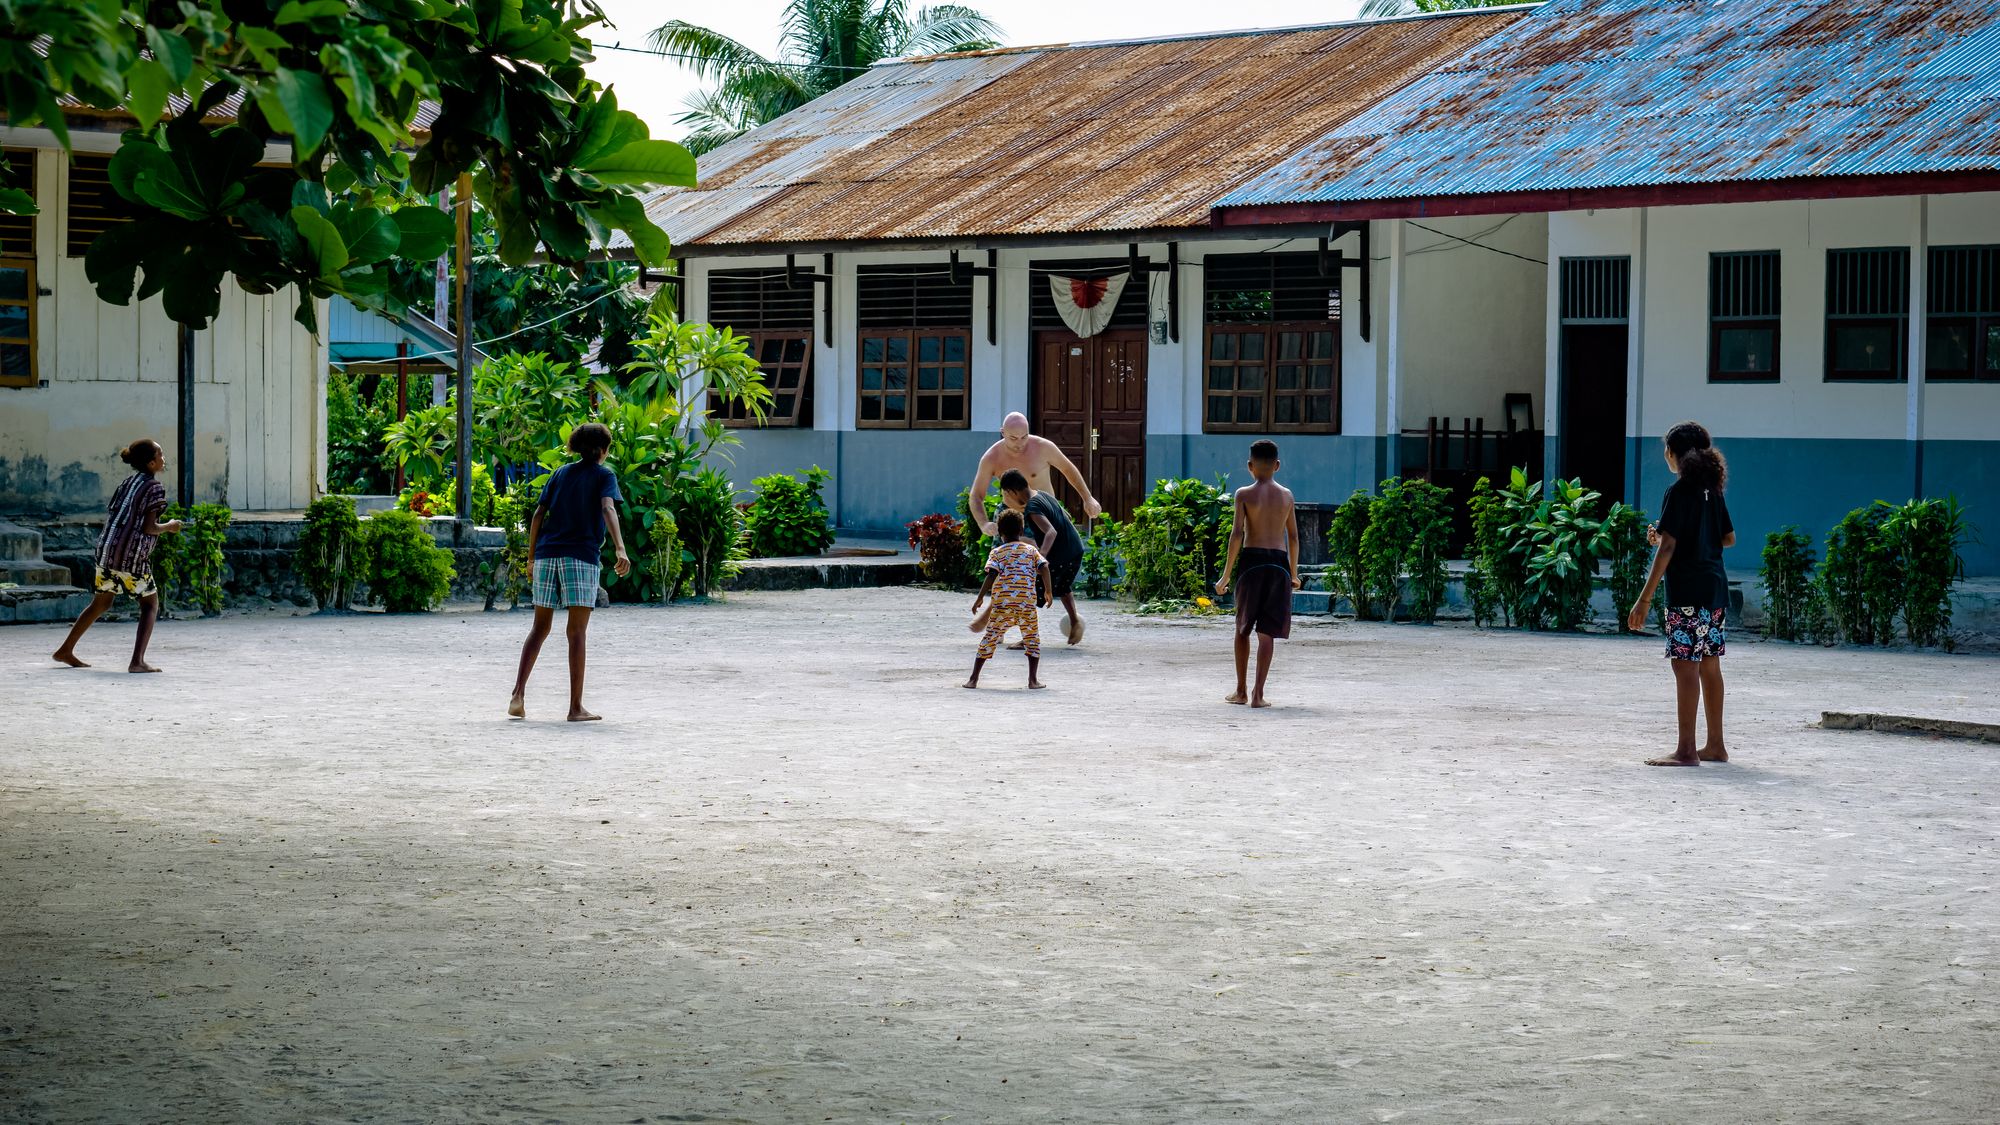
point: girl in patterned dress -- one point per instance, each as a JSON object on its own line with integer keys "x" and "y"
{"x": 1011, "y": 573}
{"x": 125, "y": 552}
{"x": 1693, "y": 529}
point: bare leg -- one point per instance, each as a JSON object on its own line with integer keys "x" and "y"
{"x": 1711, "y": 701}
{"x": 67, "y": 653}
{"x": 1034, "y": 663}
{"x": 149, "y": 612}
{"x": 978, "y": 662}
{"x": 1242, "y": 692}
{"x": 1075, "y": 619}
{"x": 1687, "y": 699}
{"x": 1267, "y": 645}
{"x": 579, "y": 624}
{"x": 538, "y": 632}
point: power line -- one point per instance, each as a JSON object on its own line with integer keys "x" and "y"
{"x": 706, "y": 59}
{"x": 1481, "y": 245}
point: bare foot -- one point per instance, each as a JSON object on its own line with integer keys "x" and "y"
{"x": 1076, "y": 630}
{"x": 1036, "y": 685}
{"x": 69, "y": 658}
{"x": 973, "y": 684}
{"x": 517, "y": 707}
{"x": 1714, "y": 754}
{"x": 1236, "y": 697}
{"x": 1260, "y": 701}
{"x": 1674, "y": 759}
{"x": 579, "y": 715}
{"x": 141, "y": 666}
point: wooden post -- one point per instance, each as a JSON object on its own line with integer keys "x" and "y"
{"x": 464, "y": 286}
{"x": 184, "y": 417}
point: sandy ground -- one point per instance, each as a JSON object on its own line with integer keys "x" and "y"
{"x": 312, "y": 874}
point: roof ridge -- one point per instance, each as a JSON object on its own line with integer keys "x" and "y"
{"x": 1192, "y": 36}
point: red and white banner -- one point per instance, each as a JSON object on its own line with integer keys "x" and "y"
{"x": 1086, "y": 303}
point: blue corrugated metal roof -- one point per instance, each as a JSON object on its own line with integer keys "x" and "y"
{"x": 1638, "y": 93}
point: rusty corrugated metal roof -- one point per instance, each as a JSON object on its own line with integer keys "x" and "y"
{"x": 1075, "y": 139}
{"x": 1589, "y": 94}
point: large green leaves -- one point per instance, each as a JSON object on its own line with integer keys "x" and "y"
{"x": 645, "y": 162}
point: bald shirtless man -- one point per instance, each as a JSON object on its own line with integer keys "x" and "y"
{"x": 1033, "y": 456}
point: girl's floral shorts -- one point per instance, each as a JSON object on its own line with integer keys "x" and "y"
{"x": 1695, "y": 634}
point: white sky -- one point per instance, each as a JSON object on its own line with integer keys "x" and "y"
{"x": 654, "y": 87}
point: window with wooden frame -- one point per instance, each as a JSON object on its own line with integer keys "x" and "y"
{"x": 94, "y": 205}
{"x": 915, "y": 335}
{"x": 778, "y": 320}
{"x": 1962, "y": 314}
{"x": 17, "y": 278}
{"x": 1867, "y": 314}
{"x": 1272, "y": 345}
{"x": 1743, "y": 303}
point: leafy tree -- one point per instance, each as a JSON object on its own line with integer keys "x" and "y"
{"x": 1385, "y": 9}
{"x": 553, "y": 158}
{"x": 825, "y": 44}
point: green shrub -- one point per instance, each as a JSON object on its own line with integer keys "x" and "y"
{"x": 1563, "y": 541}
{"x": 1792, "y": 608}
{"x": 407, "y": 572}
{"x": 327, "y": 548}
{"x": 1858, "y": 581}
{"x": 1175, "y": 544}
{"x": 355, "y": 426}
{"x": 711, "y": 530}
{"x": 978, "y": 544}
{"x": 1099, "y": 569}
{"x": 510, "y": 576}
{"x": 1407, "y": 538}
{"x": 1498, "y": 583}
{"x": 425, "y": 442}
{"x": 788, "y": 517}
{"x": 941, "y": 555}
{"x": 188, "y": 567}
{"x": 1925, "y": 537}
{"x": 1631, "y": 557}
{"x": 1346, "y": 562}
{"x": 664, "y": 557}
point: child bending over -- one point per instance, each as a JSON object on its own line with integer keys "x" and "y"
{"x": 1012, "y": 571}
{"x": 125, "y": 552}
{"x": 1694, "y": 527}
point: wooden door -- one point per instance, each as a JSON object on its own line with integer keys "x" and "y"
{"x": 1090, "y": 399}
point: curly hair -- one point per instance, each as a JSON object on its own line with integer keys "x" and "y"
{"x": 1699, "y": 459}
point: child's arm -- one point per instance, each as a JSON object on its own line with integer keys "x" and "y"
{"x": 1048, "y": 542}
{"x": 624, "y": 565}
{"x": 985, "y": 588}
{"x": 535, "y": 531}
{"x": 1236, "y": 534}
{"x": 1636, "y": 620}
{"x": 154, "y": 527}
{"x": 1046, "y": 584}
{"x": 1292, "y": 540}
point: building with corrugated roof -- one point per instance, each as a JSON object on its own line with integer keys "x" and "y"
{"x": 1778, "y": 217}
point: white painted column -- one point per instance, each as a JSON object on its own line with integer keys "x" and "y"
{"x": 1913, "y": 426}
{"x": 1635, "y": 358}
{"x": 1393, "y": 372}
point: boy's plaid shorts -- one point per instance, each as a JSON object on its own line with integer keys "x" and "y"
{"x": 563, "y": 582}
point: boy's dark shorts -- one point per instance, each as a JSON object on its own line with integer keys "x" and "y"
{"x": 1062, "y": 575}
{"x": 1264, "y": 593}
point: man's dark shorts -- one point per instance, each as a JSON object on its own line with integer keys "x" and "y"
{"x": 1264, "y": 593}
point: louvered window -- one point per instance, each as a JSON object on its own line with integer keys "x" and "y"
{"x": 1272, "y": 341}
{"x": 94, "y": 206}
{"x": 1596, "y": 290}
{"x": 1867, "y": 314}
{"x": 17, "y": 232}
{"x": 1962, "y": 306}
{"x": 915, "y": 328}
{"x": 17, "y": 278}
{"x": 778, "y": 319}
{"x": 1743, "y": 303}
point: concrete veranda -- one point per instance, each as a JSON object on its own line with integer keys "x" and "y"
{"x": 312, "y": 873}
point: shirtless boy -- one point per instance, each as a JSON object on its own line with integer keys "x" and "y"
{"x": 1266, "y": 539}
{"x": 1033, "y": 456}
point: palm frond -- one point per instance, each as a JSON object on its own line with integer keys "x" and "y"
{"x": 946, "y": 28}
{"x": 1384, "y": 9}
{"x": 709, "y": 54}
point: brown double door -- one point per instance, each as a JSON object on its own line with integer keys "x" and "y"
{"x": 1090, "y": 399}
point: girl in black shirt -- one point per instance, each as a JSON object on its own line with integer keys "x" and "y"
{"x": 1693, "y": 529}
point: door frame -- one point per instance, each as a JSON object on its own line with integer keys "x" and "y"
{"x": 1087, "y": 462}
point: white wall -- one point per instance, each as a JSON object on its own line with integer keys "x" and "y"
{"x": 108, "y": 376}
{"x": 1472, "y": 325}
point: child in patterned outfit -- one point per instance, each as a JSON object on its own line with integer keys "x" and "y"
{"x": 125, "y": 552}
{"x": 1011, "y": 573}
{"x": 1694, "y": 527}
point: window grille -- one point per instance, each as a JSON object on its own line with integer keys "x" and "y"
{"x": 1962, "y": 302}
{"x": 1272, "y": 340}
{"x": 94, "y": 205}
{"x": 17, "y": 232}
{"x": 912, "y": 297}
{"x": 915, "y": 335}
{"x": 1596, "y": 290}
{"x": 17, "y": 322}
{"x": 1743, "y": 309}
{"x": 778, "y": 319}
{"x": 1267, "y": 289}
{"x": 1867, "y": 314}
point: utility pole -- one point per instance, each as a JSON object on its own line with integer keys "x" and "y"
{"x": 464, "y": 348}
{"x": 184, "y": 457}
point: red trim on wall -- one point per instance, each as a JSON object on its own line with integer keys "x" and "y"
{"x": 1663, "y": 195}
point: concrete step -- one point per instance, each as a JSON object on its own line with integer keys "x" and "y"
{"x": 833, "y": 573}
{"x": 18, "y": 544}
{"x": 34, "y": 572}
{"x": 20, "y": 605}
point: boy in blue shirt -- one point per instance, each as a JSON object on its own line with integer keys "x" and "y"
{"x": 578, "y": 504}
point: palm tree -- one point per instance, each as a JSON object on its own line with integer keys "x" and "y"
{"x": 825, "y": 43}
{"x": 1384, "y": 9}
